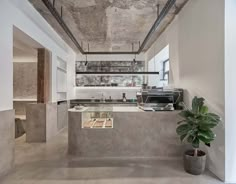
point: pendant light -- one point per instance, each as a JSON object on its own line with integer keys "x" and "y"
{"x": 134, "y": 60}
{"x": 86, "y": 61}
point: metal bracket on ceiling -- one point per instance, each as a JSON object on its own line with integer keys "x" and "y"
{"x": 58, "y": 17}
{"x": 158, "y": 10}
{"x": 61, "y": 12}
{"x": 176, "y": 7}
{"x": 88, "y": 47}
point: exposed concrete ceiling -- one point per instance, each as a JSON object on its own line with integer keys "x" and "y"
{"x": 108, "y": 25}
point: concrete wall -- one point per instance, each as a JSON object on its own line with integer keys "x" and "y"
{"x": 24, "y": 71}
{"x": 7, "y": 141}
{"x": 230, "y": 91}
{"x": 25, "y": 80}
{"x": 196, "y": 40}
{"x": 41, "y": 122}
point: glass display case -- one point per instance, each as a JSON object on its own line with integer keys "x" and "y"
{"x": 97, "y": 117}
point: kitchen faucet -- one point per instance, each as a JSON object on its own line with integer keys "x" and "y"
{"x": 103, "y": 99}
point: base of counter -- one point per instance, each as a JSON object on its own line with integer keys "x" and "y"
{"x": 134, "y": 134}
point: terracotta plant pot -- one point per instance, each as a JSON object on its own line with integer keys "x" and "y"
{"x": 194, "y": 164}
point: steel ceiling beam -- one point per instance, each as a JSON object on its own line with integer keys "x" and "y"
{"x": 57, "y": 16}
{"x": 161, "y": 16}
{"x": 59, "y": 19}
{"x": 104, "y": 52}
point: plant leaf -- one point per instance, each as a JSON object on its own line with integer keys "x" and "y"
{"x": 183, "y": 129}
{"x": 197, "y": 124}
{"x": 207, "y": 126}
{"x": 203, "y": 109}
{"x": 204, "y": 140}
{"x": 182, "y": 137}
{"x": 190, "y": 139}
{"x": 186, "y": 113}
{"x": 213, "y": 117}
{"x": 197, "y": 104}
{"x": 207, "y": 134}
{"x": 181, "y": 122}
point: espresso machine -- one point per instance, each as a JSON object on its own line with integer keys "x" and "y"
{"x": 160, "y": 99}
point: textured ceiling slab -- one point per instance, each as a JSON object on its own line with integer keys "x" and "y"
{"x": 108, "y": 25}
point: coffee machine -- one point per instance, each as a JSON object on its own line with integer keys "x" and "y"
{"x": 160, "y": 99}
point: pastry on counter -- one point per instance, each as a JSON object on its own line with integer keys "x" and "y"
{"x": 99, "y": 123}
{"x": 88, "y": 124}
{"x": 108, "y": 123}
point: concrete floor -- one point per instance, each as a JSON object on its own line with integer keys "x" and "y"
{"x": 49, "y": 163}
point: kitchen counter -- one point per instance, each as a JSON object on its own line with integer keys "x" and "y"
{"x": 112, "y": 109}
{"x": 134, "y": 133}
{"x": 97, "y": 102}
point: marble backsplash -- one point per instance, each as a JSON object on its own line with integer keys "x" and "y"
{"x": 110, "y": 80}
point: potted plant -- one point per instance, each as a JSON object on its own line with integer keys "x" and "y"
{"x": 196, "y": 128}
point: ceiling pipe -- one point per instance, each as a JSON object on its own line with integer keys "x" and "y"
{"x": 164, "y": 12}
{"x": 59, "y": 19}
{"x": 57, "y": 16}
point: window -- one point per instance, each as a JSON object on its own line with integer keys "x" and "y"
{"x": 166, "y": 68}
{"x": 160, "y": 62}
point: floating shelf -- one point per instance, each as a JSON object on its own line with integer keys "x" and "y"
{"x": 24, "y": 100}
{"x": 117, "y": 73}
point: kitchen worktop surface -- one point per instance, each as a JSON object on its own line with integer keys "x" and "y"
{"x": 108, "y": 109}
{"x": 107, "y": 101}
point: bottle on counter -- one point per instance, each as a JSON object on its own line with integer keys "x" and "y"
{"x": 123, "y": 97}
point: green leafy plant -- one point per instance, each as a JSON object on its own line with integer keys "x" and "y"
{"x": 196, "y": 127}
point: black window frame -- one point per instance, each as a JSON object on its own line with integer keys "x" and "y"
{"x": 164, "y": 71}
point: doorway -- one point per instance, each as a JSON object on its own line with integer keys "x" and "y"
{"x": 25, "y": 61}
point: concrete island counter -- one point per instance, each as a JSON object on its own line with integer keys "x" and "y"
{"x": 122, "y": 132}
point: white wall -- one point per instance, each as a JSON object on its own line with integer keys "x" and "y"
{"x": 156, "y": 65}
{"x": 22, "y": 15}
{"x": 168, "y": 37}
{"x": 196, "y": 40}
{"x": 230, "y": 90}
{"x": 201, "y": 65}
{"x": 61, "y": 79}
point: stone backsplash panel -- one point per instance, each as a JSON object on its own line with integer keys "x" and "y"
{"x": 109, "y": 80}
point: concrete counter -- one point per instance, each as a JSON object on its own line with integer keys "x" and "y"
{"x": 135, "y": 133}
{"x": 112, "y": 109}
